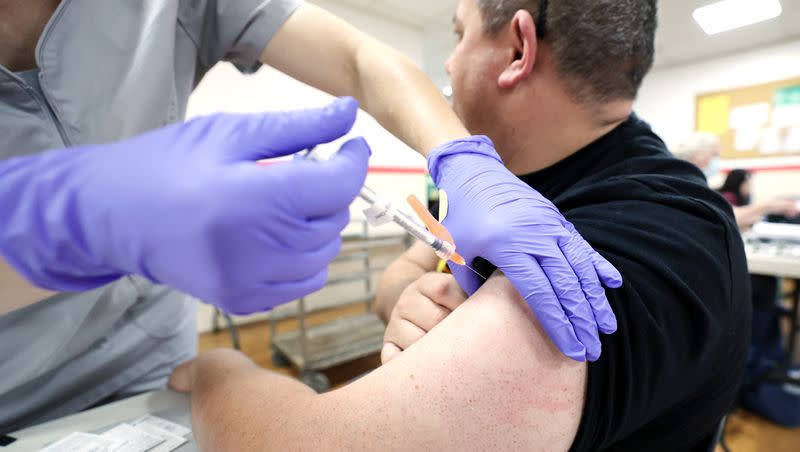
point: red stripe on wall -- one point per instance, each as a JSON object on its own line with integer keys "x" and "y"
{"x": 372, "y": 169}
{"x": 394, "y": 170}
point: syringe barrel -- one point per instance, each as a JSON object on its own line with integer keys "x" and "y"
{"x": 413, "y": 228}
{"x": 442, "y": 248}
{"x": 403, "y": 220}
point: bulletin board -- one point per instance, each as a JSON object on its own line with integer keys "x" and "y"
{"x": 754, "y": 121}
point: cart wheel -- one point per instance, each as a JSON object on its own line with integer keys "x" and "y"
{"x": 279, "y": 359}
{"x": 316, "y": 380}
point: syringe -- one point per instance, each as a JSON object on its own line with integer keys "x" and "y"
{"x": 381, "y": 211}
{"x": 383, "y": 208}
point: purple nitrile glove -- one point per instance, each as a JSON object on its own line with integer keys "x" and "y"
{"x": 187, "y": 206}
{"x": 494, "y": 215}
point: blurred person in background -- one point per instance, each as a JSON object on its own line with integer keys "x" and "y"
{"x": 761, "y": 395}
{"x": 703, "y": 150}
{"x": 737, "y": 187}
{"x": 737, "y": 190}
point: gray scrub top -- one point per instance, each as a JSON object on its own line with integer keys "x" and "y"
{"x": 108, "y": 70}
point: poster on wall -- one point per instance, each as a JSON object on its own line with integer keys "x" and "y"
{"x": 754, "y": 121}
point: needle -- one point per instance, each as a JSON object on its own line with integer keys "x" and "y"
{"x": 476, "y": 272}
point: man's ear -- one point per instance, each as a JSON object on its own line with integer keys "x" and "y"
{"x": 523, "y": 38}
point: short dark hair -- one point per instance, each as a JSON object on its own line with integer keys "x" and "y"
{"x": 603, "y": 47}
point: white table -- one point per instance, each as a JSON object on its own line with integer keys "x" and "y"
{"x": 780, "y": 266}
{"x": 166, "y": 404}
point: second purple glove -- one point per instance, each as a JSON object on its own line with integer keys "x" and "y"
{"x": 494, "y": 215}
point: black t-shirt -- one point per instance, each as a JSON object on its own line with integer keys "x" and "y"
{"x": 672, "y": 369}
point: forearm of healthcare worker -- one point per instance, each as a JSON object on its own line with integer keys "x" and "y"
{"x": 188, "y": 206}
{"x": 556, "y": 271}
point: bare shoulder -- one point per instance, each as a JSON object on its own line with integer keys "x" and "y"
{"x": 486, "y": 378}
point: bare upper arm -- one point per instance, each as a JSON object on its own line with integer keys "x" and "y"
{"x": 323, "y": 51}
{"x": 324, "y": 58}
{"x": 486, "y": 378}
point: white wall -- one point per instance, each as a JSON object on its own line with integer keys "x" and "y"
{"x": 667, "y": 102}
{"x": 225, "y": 89}
{"x": 439, "y": 43}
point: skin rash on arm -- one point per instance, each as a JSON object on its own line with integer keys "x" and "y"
{"x": 486, "y": 378}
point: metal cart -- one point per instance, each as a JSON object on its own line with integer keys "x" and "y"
{"x": 314, "y": 348}
{"x": 229, "y": 323}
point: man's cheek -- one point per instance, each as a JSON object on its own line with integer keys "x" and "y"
{"x": 460, "y": 101}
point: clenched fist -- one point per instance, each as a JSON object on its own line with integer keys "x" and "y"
{"x": 421, "y": 306}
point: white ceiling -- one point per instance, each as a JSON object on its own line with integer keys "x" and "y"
{"x": 413, "y": 12}
{"x": 679, "y": 39}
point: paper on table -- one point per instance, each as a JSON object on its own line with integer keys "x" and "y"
{"x": 132, "y": 439}
{"x": 171, "y": 440}
{"x": 81, "y": 442}
{"x": 163, "y": 424}
{"x": 775, "y": 231}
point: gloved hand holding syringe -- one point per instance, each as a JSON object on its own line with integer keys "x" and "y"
{"x": 381, "y": 211}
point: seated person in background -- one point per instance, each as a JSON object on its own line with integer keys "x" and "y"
{"x": 555, "y": 90}
{"x": 737, "y": 189}
{"x": 766, "y": 343}
{"x": 703, "y": 149}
